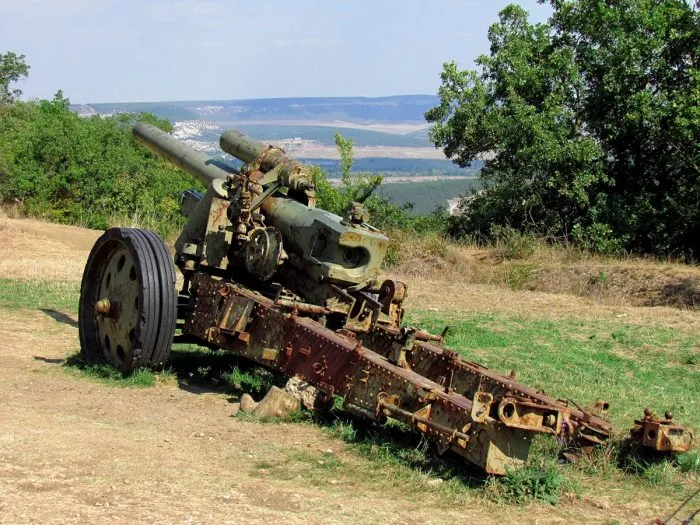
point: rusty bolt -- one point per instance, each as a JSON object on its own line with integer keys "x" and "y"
{"x": 668, "y": 414}
{"x": 103, "y": 307}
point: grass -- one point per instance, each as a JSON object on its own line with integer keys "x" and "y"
{"x": 199, "y": 367}
{"x": 542, "y": 482}
{"x": 689, "y": 462}
{"x": 524, "y": 262}
{"x": 109, "y": 374}
{"x": 193, "y": 367}
{"x": 39, "y": 295}
{"x": 396, "y": 455}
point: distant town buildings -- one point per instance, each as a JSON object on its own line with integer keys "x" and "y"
{"x": 290, "y": 145}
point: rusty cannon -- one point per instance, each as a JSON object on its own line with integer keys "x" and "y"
{"x": 270, "y": 277}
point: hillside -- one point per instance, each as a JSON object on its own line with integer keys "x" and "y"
{"x": 405, "y": 108}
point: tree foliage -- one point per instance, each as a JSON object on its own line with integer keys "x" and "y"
{"x": 90, "y": 171}
{"x": 12, "y": 68}
{"x": 590, "y": 124}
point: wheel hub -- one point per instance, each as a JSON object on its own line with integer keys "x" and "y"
{"x": 118, "y": 286}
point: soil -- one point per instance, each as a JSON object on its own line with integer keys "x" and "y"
{"x": 73, "y": 450}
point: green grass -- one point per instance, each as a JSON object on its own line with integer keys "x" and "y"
{"x": 395, "y": 454}
{"x": 533, "y": 483}
{"x": 39, "y": 295}
{"x": 689, "y": 462}
{"x": 109, "y": 374}
{"x": 630, "y": 366}
{"x": 202, "y": 367}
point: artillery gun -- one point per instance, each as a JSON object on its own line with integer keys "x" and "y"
{"x": 270, "y": 277}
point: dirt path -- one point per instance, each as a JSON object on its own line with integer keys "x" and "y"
{"x": 73, "y": 450}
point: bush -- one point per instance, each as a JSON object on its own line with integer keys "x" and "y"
{"x": 597, "y": 238}
{"x": 86, "y": 171}
{"x": 513, "y": 244}
{"x": 543, "y": 482}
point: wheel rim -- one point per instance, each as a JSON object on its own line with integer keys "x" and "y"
{"x": 117, "y": 304}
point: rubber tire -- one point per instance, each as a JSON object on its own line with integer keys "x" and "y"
{"x": 157, "y": 299}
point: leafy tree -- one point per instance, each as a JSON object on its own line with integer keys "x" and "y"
{"x": 640, "y": 99}
{"x": 12, "y": 69}
{"x": 589, "y": 124}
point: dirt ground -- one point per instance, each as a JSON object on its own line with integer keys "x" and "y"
{"x": 77, "y": 451}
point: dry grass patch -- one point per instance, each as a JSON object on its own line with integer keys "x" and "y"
{"x": 539, "y": 267}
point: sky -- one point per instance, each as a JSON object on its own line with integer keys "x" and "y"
{"x": 155, "y": 50}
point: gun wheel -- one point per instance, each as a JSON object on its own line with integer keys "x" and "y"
{"x": 128, "y": 301}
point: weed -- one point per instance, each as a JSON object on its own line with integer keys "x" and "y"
{"x": 519, "y": 276}
{"x": 345, "y": 431}
{"x": 427, "y": 248}
{"x": 221, "y": 370}
{"x": 601, "y": 462}
{"x": 659, "y": 473}
{"x": 533, "y": 482}
{"x": 689, "y": 462}
{"x": 248, "y": 381}
{"x": 691, "y": 358}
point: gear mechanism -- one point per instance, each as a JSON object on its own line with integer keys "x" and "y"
{"x": 263, "y": 252}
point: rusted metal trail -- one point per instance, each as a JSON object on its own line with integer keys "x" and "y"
{"x": 235, "y": 318}
{"x": 449, "y": 370}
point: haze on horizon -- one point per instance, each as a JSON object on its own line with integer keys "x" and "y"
{"x": 131, "y": 51}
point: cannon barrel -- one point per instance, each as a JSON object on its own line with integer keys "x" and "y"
{"x": 241, "y": 146}
{"x": 291, "y": 172}
{"x": 342, "y": 253}
{"x": 181, "y": 155}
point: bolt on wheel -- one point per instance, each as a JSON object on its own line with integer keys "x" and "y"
{"x": 128, "y": 301}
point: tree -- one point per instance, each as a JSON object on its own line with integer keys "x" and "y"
{"x": 641, "y": 101}
{"x": 12, "y": 68}
{"x": 356, "y": 187}
{"x": 590, "y": 123}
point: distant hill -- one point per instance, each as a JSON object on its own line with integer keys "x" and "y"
{"x": 392, "y": 167}
{"x": 326, "y": 135}
{"x": 401, "y": 108}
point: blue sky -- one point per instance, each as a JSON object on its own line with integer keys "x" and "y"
{"x": 129, "y": 50}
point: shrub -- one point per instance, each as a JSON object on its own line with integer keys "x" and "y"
{"x": 513, "y": 244}
{"x": 543, "y": 482}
